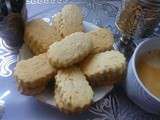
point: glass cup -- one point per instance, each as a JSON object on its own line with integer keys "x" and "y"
{"x": 136, "y": 20}
{"x": 12, "y": 24}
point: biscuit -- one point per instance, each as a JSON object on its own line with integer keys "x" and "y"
{"x": 73, "y": 92}
{"x": 70, "y": 50}
{"x": 105, "y": 68}
{"x": 69, "y": 20}
{"x": 102, "y": 40}
{"x": 33, "y": 74}
{"x": 58, "y": 23}
{"x": 39, "y": 35}
{"x": 31, "y": 91}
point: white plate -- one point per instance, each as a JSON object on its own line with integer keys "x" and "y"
{"x": 47, "y": 97}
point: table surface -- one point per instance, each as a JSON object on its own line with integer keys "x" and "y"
{"x": 115, "y": 106}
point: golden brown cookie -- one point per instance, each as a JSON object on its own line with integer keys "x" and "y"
{"x": 102, "y": 40}
{"x": 39, "y": 35}
{"x": 33, "y": 74}
{"x": 73, "y": 92}
{"x": 69, "y": 20}
{"x": 70, "y": 50}
{"x": 104, "y": 68}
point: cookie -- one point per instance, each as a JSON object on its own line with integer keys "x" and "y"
{"x": 57, "y": 22}
{"x": 72, "y": 93}
{"x": 105, "y": 68}
{"x": 39, "y": 35}
{"x": 33, "y": 74}
{"x": 31, "y": 91}
{"x": 102, "y": 40}
{"x": 70, "y": 50}
{"x": 69, "y": 20}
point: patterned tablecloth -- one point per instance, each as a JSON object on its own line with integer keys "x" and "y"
{"x": 115, "y": 106}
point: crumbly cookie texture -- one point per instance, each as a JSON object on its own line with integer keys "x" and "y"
{"x": 73, "y": 92}
{"x": 104, "y": 68}
{"x": 69, "y": 20}
{"x": 33, "y": 74}
{"x": 71, "y": 50}
{"x": 57, "y": 22}
{"x": 39, "y": 35}
{"x": 102, "y": 39}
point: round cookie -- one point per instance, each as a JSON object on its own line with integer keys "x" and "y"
{"x": 70, "y": 50}
{"x": 72, "y": 93}
{"x": 104, "y": 68}
{"x": 102, "y": 40}
{"x": 69, "y": 20}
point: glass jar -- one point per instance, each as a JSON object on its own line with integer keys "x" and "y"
{"x": 138, "y": 18}
{"x": 12, "y": 24}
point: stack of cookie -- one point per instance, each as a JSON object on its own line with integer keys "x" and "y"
{"x": 75, "y": 60}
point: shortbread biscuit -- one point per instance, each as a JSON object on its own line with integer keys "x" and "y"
{"x": 33, "y": 74}
{"x": 70, "y": 50}
{"x": 102, "y": 40}
{"x": 58, "y": 23}
{"x": 104, "y": 68}
{"x": 69, "y": 20}
{"x": 31, "y": 91}
{"x": 39, "y": 35}
{"x": 73, "y": 92}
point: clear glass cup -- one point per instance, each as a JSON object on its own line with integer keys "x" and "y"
{"x": 12, "y": 24}
{"x": 136, "y": 20}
